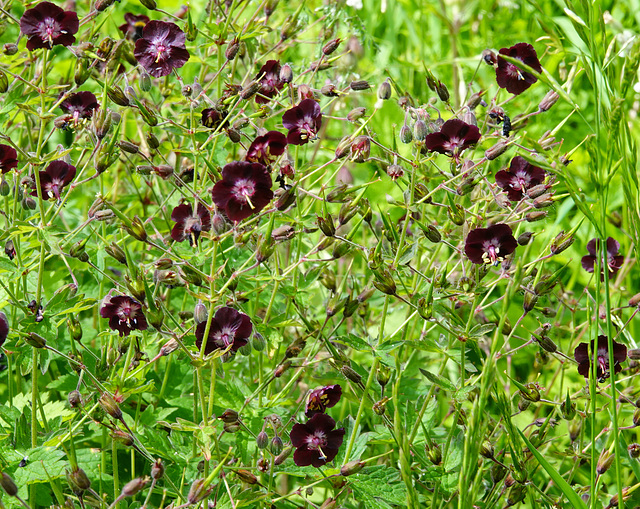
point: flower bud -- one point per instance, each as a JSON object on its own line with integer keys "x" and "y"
{"x": 262, "y": 440}
{"x": 384, "y": 90}
{"x": 74, "y": 399}
{"x": 634, "y": 450}
{"x": 286, "y": 74}
{"x": 8, "y": 485}
{"x": 136, "y": 230}
{"x": 229, "y": 416}
{"x": 561, "y": 242}
{"x": 384, "y": 282}
{"x": 78, "y": 480}
{"x": 359, "y": 85}
{"x": 110, "y": 406}
{"x": 199, "y": 490}
{"x": 497, "y": 472}
{"x": 281, "y": 458}
{"x": 4, "y": 82}
{"x": 442, "y": 91}
{"x": 530, "y": 392}
{"x": 35, "y": 340}
{"x": 380, "y": 407}
{"x": 356, "y": 114}
{"x": 149, "y": 4}
{"x": 489, "y": 57}
{"x": 326, "y": 225}
{"x": 548, "y": 100}
{"x": 281, "y": 369}
{"x": 353, "y": 467}
{"x": 524, "y": 238}
{"x": 351, "y": 374}
{"x": 117, "y": 95}
{"x": 406, "y": 136}
{"x": 232, "y": 49}
{"x": 246, "y": 476}
{"x": 250, "y": 90}
{"x": 542, "y": 201}
{"x": 497, "y": 150}
{"x": 433, "y": 452}
{"x": 456, "y": 214}
{"x": 157, "y": 469}
{"x": 536, "y": 215}
{"x": 330, "y": 90}
{"x": 170, "y": 346}
{"x": 331, "y": 46}
{"x": 517, "y": 494}
{"x": 231, "y": 427}
{"x": 604, "y": 462}
{"x": 122, "y": 437}
{"x": 127, "y": 146}
{"x": 420, "y": 130}
{"x": 276, "y": 445}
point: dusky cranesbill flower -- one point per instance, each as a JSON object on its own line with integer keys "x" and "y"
{"x": 303, "y": 122}
{"x": 213, "y": 117}
{"x": 80, "y": 105}
{"x": 316, "y": 442}
{"x": 454, "y": 137}
{"x": 322, "y": 398}
{"x": 509, "y": 76}
{"x": 161, "y": 48}
{"x": 267, "y": 147}
{"x": 614, "y": 260}
{"x": 189, "y": 225}
{"x": 133, "y": 26}
{"x": 47, "y": 25}
{"x": 270, "y": 81}
{"x": 490, "y": 245}
{"x": 8, "y": 158}
{"x": 228, "y": 328}
{"x": 124, "y": 313}
{"x": 245, "y": 189}
{"x": 519, "y": 177}
{"x": 54, "y": 179}
{"x": 600, "y": 350}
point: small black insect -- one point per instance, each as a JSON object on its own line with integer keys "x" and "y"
{"x": 23, "y": 462}
{"x": 506, "y": 126}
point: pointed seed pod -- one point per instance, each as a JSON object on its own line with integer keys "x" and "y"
{"x": 353, "y": 467}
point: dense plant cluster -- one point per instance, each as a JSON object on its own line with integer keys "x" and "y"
{"x": 248, "y": 266}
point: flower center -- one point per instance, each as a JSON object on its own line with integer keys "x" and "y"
{"x": 317, "y": 441}
{"x": 127, "y": 315}
{"x": 243, "y": 190}
{"x": 161, "y": 52}
{"x": 224, "y": 338}
{"x": 48, "y": 30}
{"x": 491, "y": 254}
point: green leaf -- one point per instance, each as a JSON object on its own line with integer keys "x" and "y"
{"x": 379, "y": 487}
{"x": 571, "y": 495}
{"x": 438, "y": 380}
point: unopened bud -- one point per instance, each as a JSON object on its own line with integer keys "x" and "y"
{"x": 530, "y": 392}
{"x": 562, "y": 242}
{"x": 497, "y": 150}
{"x": 250, "y": 90}
{"x": 548, "y": 100}
{"x": 380, "y": 407}
{"x": 634, "y": 450}
{"x": 433, "y": 452}
{"x": 276, "y": 445}
{"x": 456, "y": 214}
{"x": 384, "y": 90}
{"x": 442, "y": 91}
{"x": 262, "y": 440}
{"x": 351, "y": 374}
{"x": 536, "y": 215}
{"x": 286, "y": 74}
{"x": 110, "y": 406}
{"x": 232, "y": 49}
{"x": 74, "y": 399}
{"x": 157, "y": 469}
{"x": 117, "y": 95}
{"x": 356, "y": 114}
{"x": 542, "y": 201}
{"x": 127, "y": 146}
{"x": 229, "y": 416}
{"x": 149, "y": 4}
{"x": 353, "y": 467}
{"x": 517, "y": 494}
{"x": 406, "y": 136}
{"x": 8, "y": 485}
{"x": 359, "y": 85}
{"x": 281, "y": 458}
{"x": 327, "y": 225}
{"x": 420, "y": 130}
{"x": 134, "y": 486}
{"x": 137, "y": 230}
{"x": 329, "y": 90}
{"x": 330, "y": 47}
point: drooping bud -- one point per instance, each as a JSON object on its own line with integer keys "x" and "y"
{"x": 420, "y": 130}
{"x": 497, "y": 150}
{"x": 356, "y": 114}
{"x": 406, "y": 136}
{"x": 524, "y": 238}
{"x": 536, "y": 215}
{"x": 384, "y": 90}
{"x": 331, "y": 46}
{"x": 548, "y": 100}
{"x": 262, "y": 440}
{"x": 157, "y": 469}
{"x": 276, "y": 445}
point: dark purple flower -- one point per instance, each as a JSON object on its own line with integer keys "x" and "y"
{"x": 245, "y": 189}
{"x": 303, "y": 122}
{"x": 47, "y": 25}
{"x": 161, "y": 48}
{"x": 453, "y": 137}
{"x": 520, "y": 177}
{"x": 212, "y": 118}
{"x": 267, "y": 147}
{"x": 4, "y": 328}
{"x": 124, "y": 313}
{"x": 270, "y": 82}
{"x": 80, "y": 105}
{"x": 53, "y": 180}
{"x": 133, "y": 26}
{"x": 8, "y": 158}
{"x": 316, "y": 441}
{"x": 322, "y": 398}
{"x": 490, "y": 245}
{"x": 189, "y": 225}
{"x": 228, "y": 327}
{"x": 614, "y": 260}
{"x": 509, "y": 76}
{"x": 581, "y": 355}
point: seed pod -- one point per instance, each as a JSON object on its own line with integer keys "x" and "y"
{"x": 200, "y": 489}
{"x": 78, "y": 480}
{"x": 326, "y": 225}
{"x": 136, "y": 230}
{"x": 384, "y": 90}
{"x": 517, "y": 493}
{"x": 530, "y": 392}
{"x": 380, "y": 407}
{"x": 35, "y": 340}
{"x": 359, "y": 85}
{"x": 604, "y": 462}
{"x": 351, "y": 374}
{"x": 116, "y": 252}
{"x": 384, "y": 282}
{"x": 232, "y": 49}
{"x": 456, "y": 214}
{"x": 157, "y": 469}
{"x": 442, "y": 91}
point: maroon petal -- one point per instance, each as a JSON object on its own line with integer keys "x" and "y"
{"x": 304, "y": 457}
{"x": 588, "y": 263}
{"x": 613, "y": 246}
{"x": 299, "y": 434}
{"x": 181, "y": 212}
